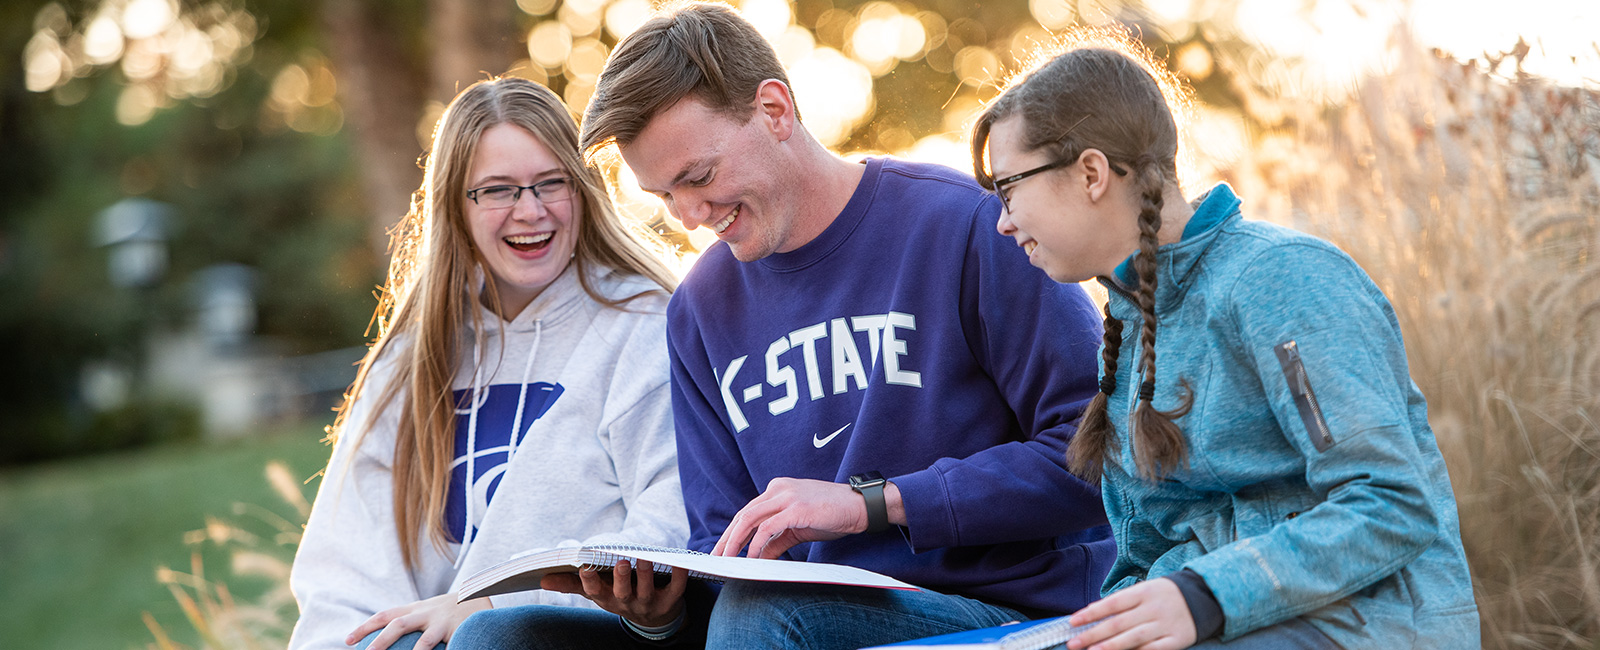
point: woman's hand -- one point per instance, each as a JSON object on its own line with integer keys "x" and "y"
{"x": 1151, "y": 615}
{"x": 625, "y": 592}
{"x": 436, "y": 617}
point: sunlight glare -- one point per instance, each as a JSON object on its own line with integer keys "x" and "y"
{"x": 1561, "y": 33}
{"x": 770, "y": 17}
{"x": 624, "y": 16}
{"x": 1170, "y": 11}
{"x": 1052, "y": 14}
{"x": 943, "y": 150}
{"x": 834, "y": 94}
{"x": 146, "y": 18}
{"x": 796, "y": 43}
{"x": 102, "y": 41}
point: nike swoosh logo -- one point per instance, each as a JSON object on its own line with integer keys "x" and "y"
{"x": 820, "y": 442}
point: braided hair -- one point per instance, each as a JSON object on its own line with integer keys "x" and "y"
{"x": 1102, "y": 90}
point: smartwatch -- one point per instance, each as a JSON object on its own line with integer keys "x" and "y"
{"x": 870, "y": 486}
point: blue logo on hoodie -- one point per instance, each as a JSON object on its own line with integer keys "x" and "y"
{"x": 497, "y": 412}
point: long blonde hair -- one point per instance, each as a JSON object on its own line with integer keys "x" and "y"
{"x": 429, "y": 293}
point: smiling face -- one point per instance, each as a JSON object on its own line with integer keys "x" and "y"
{"x": 529, "y": 243}
{"x": 1076, "y": 222}
{"x": 715, "y": 172}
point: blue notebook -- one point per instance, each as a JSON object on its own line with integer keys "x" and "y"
{"x": 1027, "y": 635}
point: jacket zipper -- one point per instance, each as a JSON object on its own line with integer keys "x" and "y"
{"x": 1305, "y": 399}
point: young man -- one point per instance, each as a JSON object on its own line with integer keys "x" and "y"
{"x": 856, "y": 323}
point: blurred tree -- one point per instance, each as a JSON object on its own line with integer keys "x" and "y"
{"x": 391, "y": 68}
{"x": 183, "y": 104}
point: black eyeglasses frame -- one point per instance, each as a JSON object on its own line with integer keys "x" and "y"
{"x": 517, "y": 196}
{"x": 1064, "y": 161}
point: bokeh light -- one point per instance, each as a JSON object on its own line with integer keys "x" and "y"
{"x": 1337, "y": 43}
{"x": 588, "y": 58}
{"x": 102, "y": 41}
{"x": 536, "y": 7}
{"x": 794, "y": 44}
{"x": 172, "y": 53}
{"x": 977, "y": 66}
{"x": 146, "y": 18}
{"x": 624, "y": 16}
{"x": 549, "y": 44}
{"x": 1053, "y": 14}
{"x": 770, "y": 17}
{"x": 834, "y": 93}
{"x": 583, "y": 17}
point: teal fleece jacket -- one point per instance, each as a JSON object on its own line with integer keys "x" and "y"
{"x": 1314, "y": 486}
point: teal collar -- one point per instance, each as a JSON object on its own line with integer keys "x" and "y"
{"x": 1177, "y": 260}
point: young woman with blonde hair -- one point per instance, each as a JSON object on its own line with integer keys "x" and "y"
{"x": 516, "y": 396}
{"x": 1266, "y": 461}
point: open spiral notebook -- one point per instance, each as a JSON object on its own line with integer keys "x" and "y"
{"x": 523, "y": 572}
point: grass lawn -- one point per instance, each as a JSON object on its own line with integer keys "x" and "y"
{"x": 80, "y": 541}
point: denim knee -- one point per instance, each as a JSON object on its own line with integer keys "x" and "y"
{"x": 485, "y": 629}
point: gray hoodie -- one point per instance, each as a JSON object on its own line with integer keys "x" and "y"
{"x": 568, "y": 420}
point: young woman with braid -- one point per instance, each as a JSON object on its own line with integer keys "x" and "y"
{"x": 1264, "y": 457}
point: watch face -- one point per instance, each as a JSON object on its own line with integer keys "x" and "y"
{"x": 866, "y": 479}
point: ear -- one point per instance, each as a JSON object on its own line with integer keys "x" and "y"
{"x": 1097, "y": 173}
{"x": 775, "y": 108}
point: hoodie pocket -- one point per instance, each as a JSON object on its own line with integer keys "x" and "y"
{"x": 1305, "y": 399}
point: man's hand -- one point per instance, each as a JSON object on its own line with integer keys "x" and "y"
{"x": 627, "y": 593}
{"x": 436, "y": 617}
{"x": 1151, "y": 615}
{"x": 794, "y": 510}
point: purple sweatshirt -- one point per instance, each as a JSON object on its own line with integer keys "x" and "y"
{"x": 911, "y": 339}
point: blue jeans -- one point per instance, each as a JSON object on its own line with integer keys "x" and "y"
{"x": 826, "y": 617}
{"x": 407, "y": 642}
{"x": 551, "y": 627}
{"x": 747, "y": 615}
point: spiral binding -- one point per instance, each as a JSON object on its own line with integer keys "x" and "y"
{"x": 602, "y": 559}
{"x": 1044, "y": 635}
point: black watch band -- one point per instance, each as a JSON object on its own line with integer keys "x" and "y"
{"x": 870, "y": 486}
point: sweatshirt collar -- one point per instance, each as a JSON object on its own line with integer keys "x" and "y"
{"x": 559, "y": 299}
{"x": 837, "y": 232}
{"x": 1176, "y": 261}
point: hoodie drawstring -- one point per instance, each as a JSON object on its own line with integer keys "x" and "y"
{"x": 472, "y": 450}
{"x": 522, "y": 397}
{"x": 469, "y": 491}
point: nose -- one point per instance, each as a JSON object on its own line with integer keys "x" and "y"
{"x": 528, "y": 207}
{"x": 1004, "y": 226}
{"x": 692, "y": 214}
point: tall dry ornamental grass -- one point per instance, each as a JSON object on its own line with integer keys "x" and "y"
{"x": 261, "y": 545}
{"x": 1472, "y": 200}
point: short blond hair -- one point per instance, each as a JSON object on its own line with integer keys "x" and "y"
{"x": 702, "y": 49}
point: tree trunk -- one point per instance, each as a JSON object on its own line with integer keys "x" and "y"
{"x": 471, "y": 41}
{"x": 381, "y": 90}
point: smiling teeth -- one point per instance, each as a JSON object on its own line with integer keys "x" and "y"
{"x": 1028, "y": 247}
{"x": 723, "y": 225}
{"x": 528, "y": 239}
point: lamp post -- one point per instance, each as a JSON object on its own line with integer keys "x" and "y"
{"x": 135, "y": 231}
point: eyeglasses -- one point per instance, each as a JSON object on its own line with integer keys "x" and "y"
{"x": 1000, "y": 184}
{"x": 554, "y": 190}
